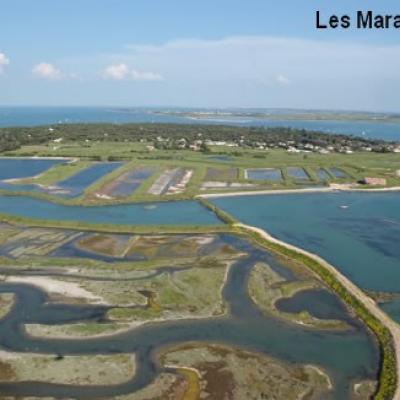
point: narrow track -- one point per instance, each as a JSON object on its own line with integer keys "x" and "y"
{"x": 369, "y": 303}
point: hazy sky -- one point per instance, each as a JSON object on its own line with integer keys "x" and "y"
{"x": 219, "y": 53}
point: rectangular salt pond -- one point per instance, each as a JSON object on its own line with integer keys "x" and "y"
{"x": 338, "y": 173}
{"x": 298, "y": 173}
{"x": 18, "y": 168}
{"x": 262, "y": 174}
{"x": 129, "y": 182}
{"x": 167, "y": 179}
{"x": 322, "y": 174}
{"x": 75, "y": 185}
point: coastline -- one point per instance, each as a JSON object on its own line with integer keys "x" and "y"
{"x": 367, "y": 302}
{"x": 354, "y": 290}
{"x": 330, "y": 189}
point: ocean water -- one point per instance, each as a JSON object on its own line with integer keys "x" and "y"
{"x": 357, "y": 232}
{"x": 35, "y": 116}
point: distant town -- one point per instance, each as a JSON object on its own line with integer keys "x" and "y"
{"x": 196, "y": 138}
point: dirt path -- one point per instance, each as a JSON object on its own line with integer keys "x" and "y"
{"x": 330, "y": 189}
{"x": 369, "y": 303}
{"x": 267, "y": 191}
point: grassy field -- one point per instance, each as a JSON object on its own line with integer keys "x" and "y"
{"x": 101, "y": 151}
{"x": 230, "y": 168}
{"x": 73, "y": 370}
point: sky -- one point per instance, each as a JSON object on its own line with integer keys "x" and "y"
{"x": 186, "y": 53}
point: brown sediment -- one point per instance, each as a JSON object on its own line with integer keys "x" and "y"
{"x": 7, "y": 372}
{"x": 108, "y": 245}
{"x": 6, "y": 302}
{"x": 176, "y": 391}
{"x": 107, "y": 190}
{"x": 232, "y": 373}
{"x": 220, "y": 382}
{"x": 73, "y": 370}
{"x": 221, "y": 174}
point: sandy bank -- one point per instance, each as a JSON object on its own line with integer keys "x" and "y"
{"x": 368, "y": 303}
{"x": 331, "y": 189}
{"x": 53, "y": 286}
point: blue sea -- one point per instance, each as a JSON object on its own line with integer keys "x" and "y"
{"x": 36, "y": 116}
{"x": 357, "y": 232}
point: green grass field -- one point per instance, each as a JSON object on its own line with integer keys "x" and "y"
{"x": 356, "y": 166}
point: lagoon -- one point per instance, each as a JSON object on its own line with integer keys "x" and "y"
{"x": 357, "y": 232}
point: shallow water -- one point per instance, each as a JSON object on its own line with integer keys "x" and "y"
{"x": 338, "y": 173}
{"x": 346, "y": 356}
{"x": 357, "y": 232}
{"x": 163, "y": 213}
{"x": 319, "y": 303}
{"x": 270, "y": 174}
{"x": 298, "y": 173}
{"x": 130, "y": 182}
{"x": 322, "y": 174}
{"x": 70, "y": 187}
{"x": 77, "y": 183}
{"x": 393, "y": 309}
{"x": 16, "y": 168}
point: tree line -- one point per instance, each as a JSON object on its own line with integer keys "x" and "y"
{"x": 14, "y": 138}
